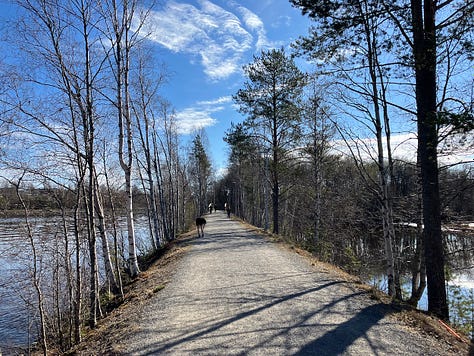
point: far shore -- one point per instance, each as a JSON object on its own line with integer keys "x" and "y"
{"x": 20, "y": 213}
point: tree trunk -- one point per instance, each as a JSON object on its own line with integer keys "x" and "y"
{"x": 142, "y": 113}
{"x": 424, "y": 33}
{"x": 151, "y": 212}
{"x": 161, "y": 195}
{"x": 114, "y": 226}
{"x": 265, "y": 193}
{"x": 77, "y": 299}
{"x": 276, "y": 183}
{"x": 93, "y": 292}
{"x": 154, "y": 212}
{"x": 418, "y": 268}
{"x": 69, "y": 278}
{"x": 276, "y": 202}
{"x": 132, "y": 256}
{"x": 125, "y": 125}
{"x": 109, "y": 270}
{"x": 35, "y": 273}
{"x": 318, "y": 190}
{"x": 384, "y": 191}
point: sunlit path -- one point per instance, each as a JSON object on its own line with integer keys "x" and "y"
{"x": 234, "y": 293}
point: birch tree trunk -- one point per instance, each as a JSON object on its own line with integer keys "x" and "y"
{"x": 78, "y": 287}
{"x": 170, "y": 150}
{"x": 109, "y": 270}
{"x": 153, "y": 233}
{"x": 35, "y": 273}
{"x": 146, "y": 95}
{"x": 69, "y": 277}
{"x": 161, "y": 197}
{"x": 114, "y": 225}
{"x": 121, "y": 17}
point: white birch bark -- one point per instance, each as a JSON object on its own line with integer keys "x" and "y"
{"x": 109, "y": 270}
{"x": 121, "y": 22}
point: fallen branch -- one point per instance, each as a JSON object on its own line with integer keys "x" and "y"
{"x": 452, "y": 331}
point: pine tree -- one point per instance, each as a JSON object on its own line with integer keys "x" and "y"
{"x": 271, "y": 98}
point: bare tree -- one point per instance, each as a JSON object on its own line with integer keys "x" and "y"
{"x": 101, "y": 226}
{"x": 143, "y": 108}
{"x": 317, "y": 136}
{"x": 200, "y": 171}
{"x": 73, "y": 126}
{"x": 175, "y": 182}
{"x": 122, "y": 38}
{"x": 35, "y": 266}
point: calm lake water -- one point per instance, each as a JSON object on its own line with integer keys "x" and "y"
{"x": 17, "y": 320}
{"x": 459, "y": 262}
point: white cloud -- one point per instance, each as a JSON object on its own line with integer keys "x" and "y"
{"x": 255, "y": 24}
{"x": 403, "y": 147}
{"x": 200, "y": 115}
{"x": 457, "y": 149}
{"x": 217, "y": 37}
{"x": 192, "y": 119}
{"x": 221, "y": 100}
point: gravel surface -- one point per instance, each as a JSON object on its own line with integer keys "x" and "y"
{"x": 234, "y": 293}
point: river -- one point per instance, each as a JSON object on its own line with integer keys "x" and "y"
{"x": 17, "y": 320}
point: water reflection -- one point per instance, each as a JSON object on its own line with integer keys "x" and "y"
{"x": 459, "y": 252}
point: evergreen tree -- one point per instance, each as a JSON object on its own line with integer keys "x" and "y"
{"x": 417, "y": 33}
{"x": 200, "y": 172}
{"x": 271, "y": 98}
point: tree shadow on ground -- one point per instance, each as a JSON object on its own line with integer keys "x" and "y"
{"x": 333, "y": 342}
{"x": 338, "y": 340}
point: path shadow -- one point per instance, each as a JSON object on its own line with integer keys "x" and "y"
{"x": 333, "y": 342}
{"x": 338, "y": 340}
{"x": 217, "y": 325}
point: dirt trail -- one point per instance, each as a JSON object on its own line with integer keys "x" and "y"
{"x": 234, "y": 293}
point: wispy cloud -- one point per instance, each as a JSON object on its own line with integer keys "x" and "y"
{"x": 255, "y": 24}
{"x": 218, "y": 101}
{"x": 192, "y": 119}
{"x": 214, "y": 35}
{"x": 200, "y": 115}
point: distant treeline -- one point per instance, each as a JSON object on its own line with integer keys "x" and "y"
{"x": 53, "y": 199}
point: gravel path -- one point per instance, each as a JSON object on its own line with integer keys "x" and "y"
{"x": 236, "y": 294}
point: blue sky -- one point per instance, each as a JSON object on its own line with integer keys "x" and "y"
{"x": 204, "y": 45}
{"x": 206, "y": 42}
